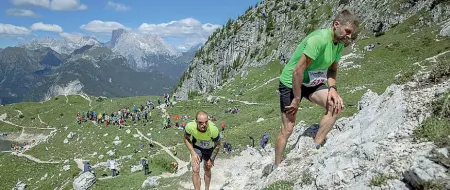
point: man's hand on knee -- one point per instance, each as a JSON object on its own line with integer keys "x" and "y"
{"x": 335, "y": 102}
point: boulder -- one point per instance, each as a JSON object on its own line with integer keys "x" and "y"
{"x": 136, "y": 168}
{"x": 445, "y": 31}
{"x": 84, "y": 181}
{"x": 20, "y": 186}
{"x": 150, "y": 182}
{"x": 426, "y": 172}
{"x": 110, "y": 153}
{"x": 117, "y": 142}
{"x": 367, "y": 99}
{"x": 66, "y": 167}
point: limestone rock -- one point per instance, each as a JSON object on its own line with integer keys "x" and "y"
{"x": 136, "y": 168}
{"x": 110, "y": 152}
{"x": 19, "y": 186}
{"x": 445, "y": 31}
{"x": 66, "y": 167}
{"x": 150, "y": 182}
{"x": 367, "y": 99}
{"x": 426, "y": 171}
{"x": 84, "y": 181}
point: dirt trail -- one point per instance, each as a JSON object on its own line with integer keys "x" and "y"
{"x": 267, "y": 82}
{"x": 4, "y": 115}
{"x": 87, "y": 98}
{"x": 34, "y": 159}
{"x": 181, "y": 163}
{"x": 40, "y": 120}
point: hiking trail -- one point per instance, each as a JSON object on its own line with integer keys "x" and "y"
{"x": 4, "y": 115}
{"x": 34, "y": 159}
{"x": 241, "y": 101}
{"x": 267, "y": 82}
{"x": 180, "y": 162}
{"x": 20, "y": 112}
{"x": 42, "y": 121}
{"x": 87, "y": 98}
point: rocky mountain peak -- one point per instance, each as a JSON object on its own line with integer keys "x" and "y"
{"x": 61, "y": 45}
{"x": 116, "y": 35}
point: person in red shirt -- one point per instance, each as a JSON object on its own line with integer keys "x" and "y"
{"x": 223, "y": 125}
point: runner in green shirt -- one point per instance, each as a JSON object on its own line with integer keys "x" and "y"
{"x": 314, "y": 62}
{"x": 205, "y": 145}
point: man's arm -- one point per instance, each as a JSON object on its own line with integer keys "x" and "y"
{"x": 297, "y": 78}
{"x": 216, "y": 149}
{"x": 331, "y": 74}
{"x": 187, "y": 141}
{"x": 333, "y": 97}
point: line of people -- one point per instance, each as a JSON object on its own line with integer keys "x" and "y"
{"x": 137, "y": 114}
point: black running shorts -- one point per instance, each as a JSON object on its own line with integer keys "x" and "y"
{"x": 287, "y": 95}
{"x": 204, "y": 154}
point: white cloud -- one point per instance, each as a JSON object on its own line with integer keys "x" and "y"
{"x": 102, "y": 26}
{"x": 46, "y": 27}
{"x": 21, "y": 12}
{"x": 57, "y": 5}
{"x": 9, "y": 30}
{"x": 190, "y": 30}
{"x": 185, "y": 28}
{"x": 118, "y": 6}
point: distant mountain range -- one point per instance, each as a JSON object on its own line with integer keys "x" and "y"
{"x": 130, "y": 64}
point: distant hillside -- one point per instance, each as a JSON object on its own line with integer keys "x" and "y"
{"x": 36, "y": 75}
{"x": 130, "y": 64}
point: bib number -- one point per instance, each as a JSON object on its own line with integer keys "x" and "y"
{"x": 205, "y": 144}
{"x": 316, "y": 78}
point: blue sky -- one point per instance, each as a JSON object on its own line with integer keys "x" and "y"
{"x": 179, "y": 22}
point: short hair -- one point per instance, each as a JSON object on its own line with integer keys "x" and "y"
{"x": 345, "y": 16}
{"x": 200, "y": 113}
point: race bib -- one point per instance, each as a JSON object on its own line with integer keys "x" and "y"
{"x": 205, "y": 144}
{"x": 316, "y": 78}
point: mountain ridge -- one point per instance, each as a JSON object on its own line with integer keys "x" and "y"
{"x": 272, "y": 30}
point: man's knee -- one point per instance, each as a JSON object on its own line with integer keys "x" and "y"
{"x": 288, "y": 122}
{"x": 195, "y": 168}
{"x": 287, "y": 131}
{"x": 331, "y": 111}
{"x": 207, "y": 169}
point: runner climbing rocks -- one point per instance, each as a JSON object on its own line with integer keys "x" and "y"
{"x": 205, "y": 145}
{"x": 314, "y": 62}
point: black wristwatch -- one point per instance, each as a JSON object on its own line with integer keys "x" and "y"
{"x": 333, "y": 86}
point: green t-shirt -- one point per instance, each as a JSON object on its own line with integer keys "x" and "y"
{"x": 203, "y": 140}
{"x": 320, "y": 48}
